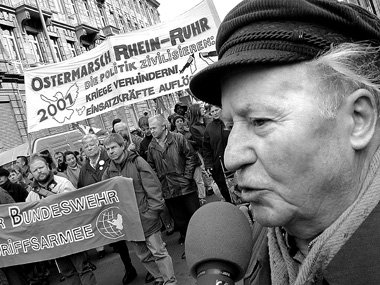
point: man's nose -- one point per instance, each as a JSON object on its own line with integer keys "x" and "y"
{"x": 240, "y": 149}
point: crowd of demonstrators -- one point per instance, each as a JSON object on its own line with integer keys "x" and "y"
{"x": 165, "y": 160}
{"x": 174, "y": 160}
{"x": 152, "y": 253}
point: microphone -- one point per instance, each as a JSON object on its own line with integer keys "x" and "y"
{"x": 218, "y": 244}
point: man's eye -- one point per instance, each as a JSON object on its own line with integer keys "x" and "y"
{"x": 259, "y": 122}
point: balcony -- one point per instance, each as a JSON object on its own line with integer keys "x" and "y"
{"x": 85, "y": 28}
{"x": 110, "y": 30}
{"x": 27, "y": 13}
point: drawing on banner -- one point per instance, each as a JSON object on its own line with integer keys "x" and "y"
{"x": 208, "y": 57}
{"x": 61, "y": 107}
{"x": 110, "y": 223}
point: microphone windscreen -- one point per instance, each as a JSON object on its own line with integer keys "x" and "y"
{"x": 219, "y": 231}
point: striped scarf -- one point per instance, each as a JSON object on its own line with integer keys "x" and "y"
{"x": 285, "y": 270}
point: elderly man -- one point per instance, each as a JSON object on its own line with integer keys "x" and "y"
{"x": 174, "y": 160}
{"x": 300, "y": 81}
{"x": 75, "y": 267}
{"x": 92, "y": 172}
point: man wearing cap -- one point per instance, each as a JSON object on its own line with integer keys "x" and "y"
{"x": 300, "y": 81}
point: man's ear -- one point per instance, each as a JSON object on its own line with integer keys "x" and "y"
{"x": 364, "y": 115}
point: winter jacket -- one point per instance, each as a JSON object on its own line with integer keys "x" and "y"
{"x": 214, "y": 143}
{"x": 5, "y": 198}
{"x": 56, "y": 186}
{"x": 89, "y": 175}
{"x": 147, "y": 189}
{"x": 197, "y": 131}
{"x": 17, "y": 192}
{"x": 174, "y": 165}
{"x": 144, "y": 146}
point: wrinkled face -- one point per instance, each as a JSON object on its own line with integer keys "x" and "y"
{"x": 3, "y": 179}
{"x": 179, "y": 124}
{"x": 40, "y": 170}
{"x": 91, "y": 147}
{"x": 114, "y": 151}
{"x": 58, "y": 157}
{"x": 294, "y": 166}
{"x": 157, "y": 128}
{"x": 70, "y": 160}
{"x": 215, "y": 112}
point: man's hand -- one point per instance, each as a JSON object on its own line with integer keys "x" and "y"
{"x": 132, "y": 147}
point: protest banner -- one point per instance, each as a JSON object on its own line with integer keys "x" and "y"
{"x": 123, "y": 70}
{"x": 71, "y": 222}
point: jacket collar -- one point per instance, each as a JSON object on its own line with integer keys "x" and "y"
{"x": 129, "y": 156}
{"x": 357, "y": 262}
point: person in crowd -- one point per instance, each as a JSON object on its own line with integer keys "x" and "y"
{"x": 61, "y": 165}
{"x": 92, "y": 172}
{"x": 12, "y": 275}
{"x": 179, "y": 109}
{"x": 74, "y": 267}
{"x": 207, "y": 118}
{"x": 197, "y": 129}
{"x": 22, "y": 161}
{"x": 305, "y": 137}
{"x": 122, "y": 129}
{"x": 15, "y": 176}
{"x": 144, "y": 126}
{"x": 174, "y": 160}
{"x": 73, "y": 167}
{"x": 214, "y": 143}
{"x": 152, "y": 253}
{"x": 179, "y": 123}
{"x": 17, "y": 192}
{"x": 114, "y": 122}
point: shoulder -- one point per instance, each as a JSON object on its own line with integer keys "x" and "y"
{"x": 64, "y": 184}
{"x": 32, "y": 196}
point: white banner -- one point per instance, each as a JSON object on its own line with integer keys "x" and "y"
{"x": 123, "y": 70}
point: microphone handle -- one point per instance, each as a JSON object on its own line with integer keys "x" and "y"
{"x": 215, "y": 273}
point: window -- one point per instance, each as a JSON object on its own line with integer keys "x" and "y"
{"x": 122, "y": 22}
{"x": 36, "y": 49}
{"x": 72, "y": 48}
{"x": 136, "y": 6}
{"x": 58, "y": 5}
{"x": 10, "y": 44}
{"x": 129, "y": 25}
{"x": 102, "y": 17}
{"x": 57, "y": 51}
{"x": 86, "y": 7}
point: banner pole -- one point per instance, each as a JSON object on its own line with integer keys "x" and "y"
{"x": 214, "y": 12}
{"x": 46, "y": 32}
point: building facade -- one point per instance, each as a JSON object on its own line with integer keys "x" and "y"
{"x": 38, "y": 32}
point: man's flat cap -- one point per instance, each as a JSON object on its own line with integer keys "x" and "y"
{"x": 282, "y": 32}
